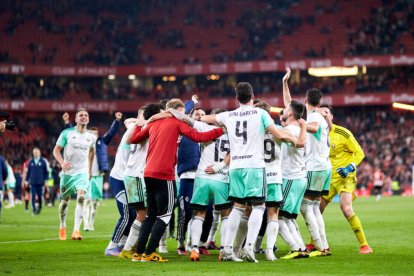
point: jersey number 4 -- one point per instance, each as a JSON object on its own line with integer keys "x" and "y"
{"x": 241, "y": 131}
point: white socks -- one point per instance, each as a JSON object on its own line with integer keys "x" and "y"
{"x": 223, "y": 230}
{"x": 307, "y": 211}
{"x": 321, "y": 223}
{"x": 196, "y": 230}
{"x": 284, "y": 232}
{"x": 255, "y": 222}
{"x": 214, "y": 227}
{"x": 86, "y": 213}
{"x": 294, "y": 229}
{"x": 163, "y": 241}
{"x": 93, "y": 213}
{"x": 79, "y": 212}
{"x": 241, "y": 233}
{"x": 11, "y": 198}
{"x": 63, "y": 212}
{"x": 232, "y": 226}
{"x": 133, "y": 235}
{"x": 188, "y": 241}
{"x": 271, "y": 230}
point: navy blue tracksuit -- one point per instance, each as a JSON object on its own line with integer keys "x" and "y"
{"x": 37, "y": 174}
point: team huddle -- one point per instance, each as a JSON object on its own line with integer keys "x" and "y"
{"x": 252, "y": 171}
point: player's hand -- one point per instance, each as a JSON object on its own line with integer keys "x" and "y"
{"x": 3, "y": 126}
{"x": 223, "y": 128}
{"x": 118, "y": 116}
{"x": 302, "y": 122}
{"x": 194, "y": 98}
{"x": 215, "y": 168}
{"x": 209, "y": 170}
{"x": 343, "y": 172}
{"x": 323, "y": 112}
{"x": 65, "y": 118}
{"x": 140, "y": 122}
{"x": 66, "y": 167}
{"x": 287, "y": 75}
{"x": 90, "y": 174}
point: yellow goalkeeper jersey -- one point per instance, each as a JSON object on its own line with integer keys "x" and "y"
{"x": 344, "y": 148}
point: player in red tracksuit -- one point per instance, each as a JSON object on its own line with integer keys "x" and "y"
{"x": 159, "y": 176}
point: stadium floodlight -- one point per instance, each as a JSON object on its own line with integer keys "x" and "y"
{"x": 274, "y": 109}
{"x": 403, "y": 106}
{"x": 333, "y": 71}
{"x": 131, "y": 77}
{"x": 111, "y": 77}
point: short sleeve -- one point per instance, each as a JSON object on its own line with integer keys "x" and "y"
{"x": 221, "y": 118}
{"x": 63, "y": 139}
{"x": 265, "y": 119}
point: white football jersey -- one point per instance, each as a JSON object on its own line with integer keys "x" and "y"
{"x": 317, "y": 145}
{"x": 76, "y": 147}
{"x": 293, "y": 159}
{"x": 121, "y": 157}
{"x": 212, "y": 153}
{"x": 272, "y": 150}
{"x": 246, "y": 127}
{"x": 137, "y": 160}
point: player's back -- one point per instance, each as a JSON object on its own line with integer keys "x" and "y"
{"x": 293, "y": 165}
{"x": 317, "y": 144}
{"x": 272, "y": 151}
{"x": 137, "y": 160}
{"x": 246, "y": 127}
{"x": 121, "y": 157}
{"x": 212, "y": 153}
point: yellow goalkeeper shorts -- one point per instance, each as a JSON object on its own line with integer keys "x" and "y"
{"x": 339, "y": 185}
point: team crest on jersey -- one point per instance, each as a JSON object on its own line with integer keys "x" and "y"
{"x": 88, "y": 139}
{"x": 333, "y": 146}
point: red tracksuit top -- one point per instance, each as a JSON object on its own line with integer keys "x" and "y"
{"x": 162, "y": 150}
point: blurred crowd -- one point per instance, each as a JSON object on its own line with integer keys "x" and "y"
{"x": 396, "y": 79}
{"x": 105, "y": 34}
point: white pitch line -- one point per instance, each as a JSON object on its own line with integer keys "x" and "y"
{"x": 51, "y": 239}
{"x": 28, "y": 226}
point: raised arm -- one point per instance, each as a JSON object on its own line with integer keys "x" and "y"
{"x": 286, "y": 93}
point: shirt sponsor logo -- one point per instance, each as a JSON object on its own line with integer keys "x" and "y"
{"x": 241, "y": 157}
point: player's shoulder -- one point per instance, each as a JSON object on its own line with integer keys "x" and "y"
{"x": 342, "y": 131}
{"x": 68, "y": 130}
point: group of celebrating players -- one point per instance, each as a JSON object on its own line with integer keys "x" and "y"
{"x": 248, "y": 166}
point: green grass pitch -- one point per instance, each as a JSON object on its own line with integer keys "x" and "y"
{"x": 29, "y": 245}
